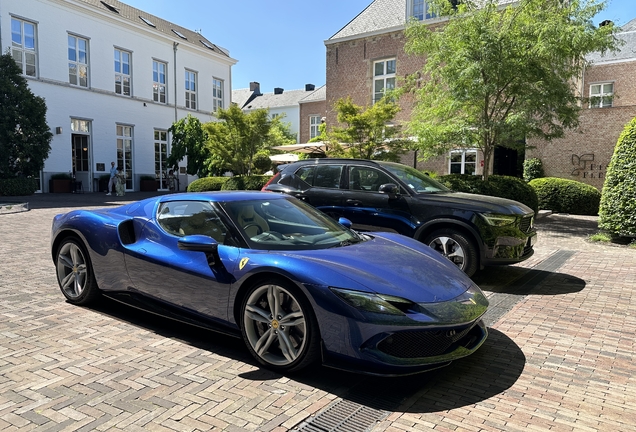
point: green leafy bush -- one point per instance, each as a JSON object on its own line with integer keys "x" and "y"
{"x": 617, "y": 213}
{"x": 255, "y": 182}
{"x": 206, "y": 184}
{"x": 532, "y": 169}
{"x": 566, "y": 196}
{"x": 18, "y": 186}
{"x": 500, "y": 186}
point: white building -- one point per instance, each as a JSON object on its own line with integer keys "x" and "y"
{"x": 281, "y": 102}
{"x": 114, "y": 79}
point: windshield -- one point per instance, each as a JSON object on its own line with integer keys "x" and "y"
{"x": 287, "y": 224}
{"x": 416, "y": 180}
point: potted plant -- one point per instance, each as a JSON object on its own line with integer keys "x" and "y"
{"x": 103, "y": 182}
{"x": 148, "y": 183}
{"x": 60, "y": 183}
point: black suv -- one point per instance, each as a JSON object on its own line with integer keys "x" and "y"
{"x": 470, "y": 230}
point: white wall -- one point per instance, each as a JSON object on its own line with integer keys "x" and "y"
{"x": 105, "y": 32}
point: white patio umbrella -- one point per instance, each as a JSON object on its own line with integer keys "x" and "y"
{"x": 286, "y": 157}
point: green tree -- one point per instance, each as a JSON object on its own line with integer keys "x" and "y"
{"x": 368, "y": 132}
{"x": 617, "y": 212}
{"x": 189, "y": 139}
{"x": 494, "y": 76}
{"x": 25, "y": 138}
{"x": 236, "y": 140}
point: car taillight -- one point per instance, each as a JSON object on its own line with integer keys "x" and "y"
{"x": 272, "y": 180}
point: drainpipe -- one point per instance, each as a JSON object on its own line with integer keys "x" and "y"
{"x": 174, "y": 47}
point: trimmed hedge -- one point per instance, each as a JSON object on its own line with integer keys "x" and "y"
{"x": 18, "y": 186}
{"x": 206, "y": 184}
{"x": 532, "y": 169}
{"x": 617, "y": 213}
{"x": 255, "y": 182}
{"x": 566, "y": 196}
{"x": 499, "y": 186}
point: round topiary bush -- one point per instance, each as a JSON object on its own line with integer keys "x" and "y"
{"x": 617, "y": 213}
{"x": 532, "y": 169}
{"x": 206, "y": 184}
{"x": 566, "y": 196}
{"x": 254, "y": 182}
{"x": 500, "y": 186}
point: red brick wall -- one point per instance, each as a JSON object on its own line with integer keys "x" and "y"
{"x": 584, "y": 153}
{"x": 308, "y": 109}
{"x": 349, "y": 73}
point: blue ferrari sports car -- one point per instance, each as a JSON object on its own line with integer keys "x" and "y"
{"x": 297, "y": 286}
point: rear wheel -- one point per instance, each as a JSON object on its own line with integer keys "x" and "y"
{"x": 75, "y": 273}
{"x": 279, "y": 327}
{"x": 456, "y": 247}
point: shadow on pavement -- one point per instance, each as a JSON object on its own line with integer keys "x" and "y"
{"x": 81, "y": 200}
{"x": 494, "y": 368}
{"x": 521, "y": 281}
{"x": 567, "y": 225}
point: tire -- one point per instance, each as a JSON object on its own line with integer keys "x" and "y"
{"x": 456, "y": 247}
{"x": 75, "y": 272}
{"x": 279, "y": 326}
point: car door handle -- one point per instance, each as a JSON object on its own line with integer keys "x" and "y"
{"x": 354, "y": 202}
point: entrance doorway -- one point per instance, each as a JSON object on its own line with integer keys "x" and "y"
{"x": 125, "y": 153}
{"x": 80, "y": 151}
{"x": 161, "y": 154}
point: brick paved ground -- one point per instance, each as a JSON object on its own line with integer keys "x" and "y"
{"x": 560, "y": 359}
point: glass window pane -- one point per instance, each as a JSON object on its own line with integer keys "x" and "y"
{"x": 456, "y": 157}
{"x": 17, "y": 56}
{"x": 471, "y": 157}
{"x": 379, "y": 86}
{"x": 379, "y": 68}
{"x": 72, "y": 73}
{"x": 390, "y": 83}
{"x": 608, "y": 88}
{"x": 16, "y": 32}
{"x": 29, "y": 36}
{"x": 390, "y": 67}
{"x": 595, "y": 89}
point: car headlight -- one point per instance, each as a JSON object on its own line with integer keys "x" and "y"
{"x": 498, "y": 220}
{"x": 377, "y": 303}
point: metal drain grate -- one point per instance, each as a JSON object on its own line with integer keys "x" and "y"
{"x": 502, "y": 303}
{"x": 344, "y": 416}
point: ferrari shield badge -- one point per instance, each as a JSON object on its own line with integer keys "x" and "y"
{"x": 243, "y": 262}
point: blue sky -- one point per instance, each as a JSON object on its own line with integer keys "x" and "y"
{"x": 280, "y": 43}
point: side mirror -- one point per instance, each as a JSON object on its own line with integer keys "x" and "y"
{"x": 201, "y": 243}
{"x": 344, "y": 222}
{"x": 391, "y": 189}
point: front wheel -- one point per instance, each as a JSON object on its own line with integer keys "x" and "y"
{"x": 75, "y": 273}
{"x": 454, "y": 246}
{"x": 279, "y": 326}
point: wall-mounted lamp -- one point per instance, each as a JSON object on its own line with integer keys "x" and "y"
{"x": 58, "y": 130}
{"x": 145, "y": 104}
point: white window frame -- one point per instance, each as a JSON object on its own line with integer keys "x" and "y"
{"x": 121, "y": 77}
{"x": 463, "y": 163}
{"x": 600, "y": 97}
{"x": 217, "y": 94}
{"x": 314, "y": 126}
{"x": 21, "y": 48}
{"x": 159, "y": 81}
{"x": 77, "y": 62}
{"x": 190, "y": 89}
{"x": 383, "y": 79}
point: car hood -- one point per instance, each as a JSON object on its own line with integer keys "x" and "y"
{"x": 476, "y": 202}
{"x": 388, "y": 264}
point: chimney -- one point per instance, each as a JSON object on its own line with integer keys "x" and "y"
{"x": 310, "y": 87}
{"x": 278, "y": 90}
{"x": 255, "y": 87}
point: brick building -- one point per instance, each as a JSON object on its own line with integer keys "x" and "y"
{"x": 367, "y": 56}
{"x": 584, "y": 153}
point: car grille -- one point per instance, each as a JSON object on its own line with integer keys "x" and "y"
{"x": 422, "y": 343}
{"x": 526, "y": 224}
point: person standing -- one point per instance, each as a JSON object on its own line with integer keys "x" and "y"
{"x": 120, "y": 183}
{"x": 113, "y": 178}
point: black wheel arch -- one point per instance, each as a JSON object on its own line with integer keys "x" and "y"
{"x": 467, "y": 230}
